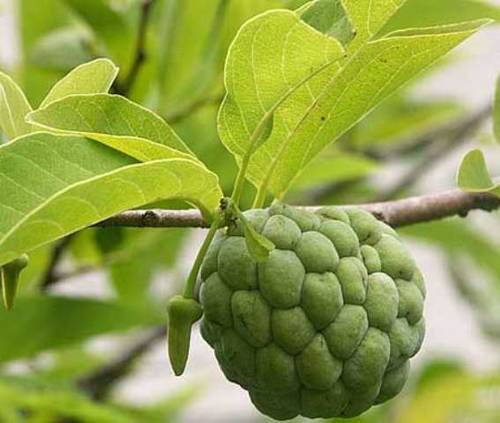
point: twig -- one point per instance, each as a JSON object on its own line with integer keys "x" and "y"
{"x": 98, "y": 384}
{"x": 50, "y": 277}
{"x": 140, "y": 51}
{"x": 395, "y": 213}
{"x": 456, "y": 136}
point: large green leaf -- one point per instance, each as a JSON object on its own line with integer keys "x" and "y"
{"x": 473, "y": 175}
{"x": 114, "y": 121}
{"x": 41, "y": 323}
{"x": 263, "y": 69}
{"x": 13, "y": 108}
{"x": 53, "y": 185}
{"x": 89, "y": 78}
{"x": 332, "y": 101}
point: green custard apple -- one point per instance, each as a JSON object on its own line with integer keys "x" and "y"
{"x": 326, "y": 325}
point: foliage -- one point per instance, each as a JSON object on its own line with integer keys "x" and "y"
{"x": 116, "y": 105}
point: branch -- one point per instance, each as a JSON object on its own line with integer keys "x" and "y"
{"x": 50, "y": 277}
{"x": 455, "y": 136}
{"x": 140, "y": 51}
{"x": 395, "y": 213}
{"x": 98, "y": 384}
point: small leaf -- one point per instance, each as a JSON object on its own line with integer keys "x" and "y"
{"x": 183, "y": 313}
{"x": 330, "y": 18}
{"x": 93, "y": 77}
{"x": 13, "y": 108}
{"x": 473, "y": 175}
{"x": 496, "y": 112}
{"x": 9, "y": 274}
{"x": 258, "y": 245}
{"x": 53, "y": 185}
{"x": 114, "y": 121}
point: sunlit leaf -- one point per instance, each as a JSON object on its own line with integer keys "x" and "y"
{"x": 89, "y": 78}
{"x": 55, "y": 185}
{"x": 496, "y": 112}
{"x": 13, "y": 108}
{"x": 116, "y": 122}
{"x": 333, "y": 100}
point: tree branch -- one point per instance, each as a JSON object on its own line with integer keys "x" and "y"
{"x": 455, "y": 136}
{"x": 140, "y": 51}
{"x": 98, "y": 384}
{"x": 50, "y": 277}
{"x": 395, "y": 213}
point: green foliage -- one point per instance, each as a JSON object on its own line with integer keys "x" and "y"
{"x": 54, "y": 322}
{"x": 92, "y": 77}
{"x": 295, "y": 82}
{"x": 313, "y": 321}
{"x": 116, "y": 122}
{"x": 88, "y": 183}
{"x": 316, "y": 99}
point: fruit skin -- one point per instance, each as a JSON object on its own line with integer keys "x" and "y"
{"x": 325, "y": 327}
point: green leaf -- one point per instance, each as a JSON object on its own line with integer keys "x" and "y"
{"x": 263, "y": 69}
{"x": 109, "y": 26}
{"x": 332, "y": 102}
{"x": 40, "y": 323}
{"x": 13, "y": 108}
{"x": 496, "y": 112}
{"x": 93, "y": 77}
{"x": 115, "y": 121}
{"x": 329, "y": 17}
{"x": 53, "y": 185}
{"x": 473, "y": 175}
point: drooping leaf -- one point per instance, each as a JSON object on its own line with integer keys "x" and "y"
{"x": 110, "y": 27}
{"x": 116, "y": 122}
{"x": 473, "y": 175}
{"x": 89, "y": 78}
{"x": 334, "y": 100}
{"x": 54, "y": 185}
{"x": 41, "y": 323}
{"x": 258, "y": 245}
{"x": 13, "y": 108}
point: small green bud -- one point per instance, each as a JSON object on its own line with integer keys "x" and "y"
{"x": 9, "y": 275}
{"x": 182, "y": 314}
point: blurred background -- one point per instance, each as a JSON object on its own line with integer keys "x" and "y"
{"x": 86, "y": 341}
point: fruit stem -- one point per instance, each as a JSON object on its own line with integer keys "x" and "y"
{"x": 190, "y": 288}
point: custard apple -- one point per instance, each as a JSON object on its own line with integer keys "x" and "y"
{"x": 326, "y": 325}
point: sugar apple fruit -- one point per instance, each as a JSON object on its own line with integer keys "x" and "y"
{"x": 326, "y": 325}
